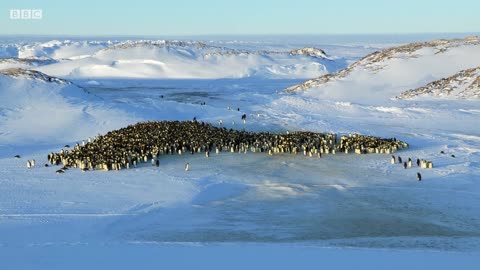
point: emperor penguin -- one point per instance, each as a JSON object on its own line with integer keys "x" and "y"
{"x": 187, "y": 166}
{"x": 419, "y": 176}
{"x": 409, "y": 162}
{"x": 392, "y": 160}
{"x": 29, "y": 165}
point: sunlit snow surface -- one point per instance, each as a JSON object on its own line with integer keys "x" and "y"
{"x": 240, "y": 200}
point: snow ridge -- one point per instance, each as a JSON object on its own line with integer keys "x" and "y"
{"x": 32, "y": 74}
{"x": 464, "y": 84}
{"x": 376, "y": 61}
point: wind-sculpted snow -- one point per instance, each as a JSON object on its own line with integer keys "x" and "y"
{"x": 168, "y": 59}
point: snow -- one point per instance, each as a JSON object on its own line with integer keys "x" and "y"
{"x": 237, "y": 210}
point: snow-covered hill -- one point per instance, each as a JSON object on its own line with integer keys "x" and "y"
{"x": 387, "y": 73}
{"x": 464, "y": 84}
{"x": 36, "y": 107}
{"x": 169, "y": 59}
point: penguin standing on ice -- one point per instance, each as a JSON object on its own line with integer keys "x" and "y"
{"x": 187, "y": 167}
{"x": 207, "y": 154}
{"x": 244, "y": 118}
{"x": 404, "y": 165}
{"x": 400, "y": 160}
{"x": 418, "y": 162}
{"x": 409, "y": 162}
{"x": 392, "y": 160}
{"x": 157, "y": 163}
{"x": 419, "y": 176}
{"x": 29, "y": 165}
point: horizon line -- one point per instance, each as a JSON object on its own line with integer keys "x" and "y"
{"x": 243, "y": 34}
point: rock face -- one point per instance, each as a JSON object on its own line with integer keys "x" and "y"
{"x": 464, "y": 84}
{"x": 157, "y": 43}
{"x": 32, "y": 74}
{"x": 310, "y": 51}
{"x": 209, "y": 50}
{"x": 378, "y": 61}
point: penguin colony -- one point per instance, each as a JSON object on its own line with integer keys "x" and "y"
{"x": 146, "y": 141}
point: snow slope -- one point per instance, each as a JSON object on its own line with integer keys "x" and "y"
{"x": 167, "y": 59}
{"x": 464, "y": 84}
{"x": 35, "y": 107}
{"x": 387, "y": 73}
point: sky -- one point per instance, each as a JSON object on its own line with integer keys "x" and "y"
{"x": 217, "y": 17}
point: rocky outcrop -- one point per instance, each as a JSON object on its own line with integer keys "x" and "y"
{"x": 32, "y": 74}
{"x": 464, "y": 84}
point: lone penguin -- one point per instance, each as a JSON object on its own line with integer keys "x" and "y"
{"x": 187, "y": 166}
{"x": 419, "y": 176}
{"x": 207, "y": 154}
{"x": 399, "y": 160}
{"x": 392, "y": 160}
{"x": 404, "y": 165}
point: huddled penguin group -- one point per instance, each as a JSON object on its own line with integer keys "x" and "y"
{"x": 146, "y": 141}
{"x": 361, "y": 144}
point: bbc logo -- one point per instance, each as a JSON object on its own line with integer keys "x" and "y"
{"x": 26, "y": 14}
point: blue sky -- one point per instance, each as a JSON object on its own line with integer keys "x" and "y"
{"x": 214, "y": 17}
